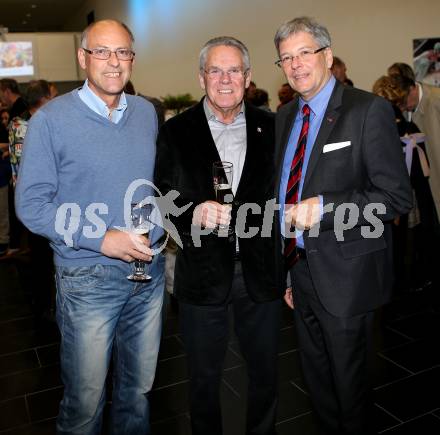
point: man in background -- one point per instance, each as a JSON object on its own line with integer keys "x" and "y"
{"x": 285, "y": 95}
{"x": 422, "y": 103}
{"x": 401, "y": 69}
{"x": 37, "y": 277}
{"x": 339, "y": 70}
{"x": 10, "y": 96}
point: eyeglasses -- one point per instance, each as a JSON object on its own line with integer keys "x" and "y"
{"x": 233, "y": 73}
{"x": 105, "y": 53}
{"x": 302, "y": 56}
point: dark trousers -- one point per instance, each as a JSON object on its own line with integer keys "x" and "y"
{"x": 206, "y": 332}
{"x": 16, "y": 228}
{"x": 336, "y": 360}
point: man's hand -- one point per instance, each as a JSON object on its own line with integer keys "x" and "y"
{"x": 126, "y": 246}
{"x": 288, "y": 298}
{"x": 209, "y": 214}
{"x": 303, "y": 215}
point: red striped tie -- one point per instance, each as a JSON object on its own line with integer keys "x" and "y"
{"x": 293, "y": 183}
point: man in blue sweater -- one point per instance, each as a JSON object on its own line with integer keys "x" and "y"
{"x": 83, "y": 155}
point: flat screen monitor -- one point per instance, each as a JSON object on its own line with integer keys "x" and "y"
{"x": 16, "y": 59}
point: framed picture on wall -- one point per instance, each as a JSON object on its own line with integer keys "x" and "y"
{"x": 426, "y": 55}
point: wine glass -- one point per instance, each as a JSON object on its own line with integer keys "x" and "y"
{"x": 222, "y": 173}
{"x": 141, "y": 224}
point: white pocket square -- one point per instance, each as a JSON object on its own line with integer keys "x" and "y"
{"x": 335, "y": 146}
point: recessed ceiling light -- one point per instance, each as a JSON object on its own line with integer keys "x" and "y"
{"x": 33, "y": 6}
{"x": 29, "y": 15}
{"x": 24, "y": 22}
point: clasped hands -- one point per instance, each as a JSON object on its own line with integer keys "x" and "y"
{"x": 303, "y": 215}
{"x": 210, "y": 214}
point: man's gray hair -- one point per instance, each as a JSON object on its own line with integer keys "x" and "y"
{"x": 303, "y": 24}
{"x": 86, "y": 31}
{"x": 227, "y": 41}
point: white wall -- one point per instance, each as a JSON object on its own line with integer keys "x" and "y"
{"x": 367, "y": 35}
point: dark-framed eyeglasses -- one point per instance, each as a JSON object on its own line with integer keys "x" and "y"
{"x": 302, "y": 56}
{"x": 105, "y": 53}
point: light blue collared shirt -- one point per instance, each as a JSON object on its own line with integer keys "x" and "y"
{"x": 318, "y": 105}
{"x": 98, "y": 106}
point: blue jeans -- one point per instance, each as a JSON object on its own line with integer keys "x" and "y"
{"x": 100, "y": 313}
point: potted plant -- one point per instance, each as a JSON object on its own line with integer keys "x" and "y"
{"x": 174, "y": 104}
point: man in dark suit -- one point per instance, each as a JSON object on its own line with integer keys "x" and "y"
{"x": 213, "y": 275}
{"x": 341, "y": 180}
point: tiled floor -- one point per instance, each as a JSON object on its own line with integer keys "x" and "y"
{"x": 407, "y": 372}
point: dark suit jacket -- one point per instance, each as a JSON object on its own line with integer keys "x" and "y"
{"x": 185, "y": 154}
{"x": 354, "y": 275}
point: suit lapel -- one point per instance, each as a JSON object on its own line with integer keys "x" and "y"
{"x": 202, "y": 150}
{"x": 287, "y": 123}
{"x": 421, "y": 107}
{"x": 203, "y": 137}
{"x": 328, "y": 123}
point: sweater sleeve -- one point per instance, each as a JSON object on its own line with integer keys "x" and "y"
{"x": 36, "y": 190}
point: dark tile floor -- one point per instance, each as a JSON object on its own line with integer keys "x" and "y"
{"x": 407, "y": 371}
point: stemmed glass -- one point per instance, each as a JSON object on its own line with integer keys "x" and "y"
{"x": 141, "y": 224}
{"x": 222, "y": 173}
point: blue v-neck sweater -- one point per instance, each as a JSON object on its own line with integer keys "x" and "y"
{"x": 75, "y": 171}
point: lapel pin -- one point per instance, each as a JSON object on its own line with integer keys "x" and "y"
{"x": 330, "y": 119}
{"x": 259, "y": 129}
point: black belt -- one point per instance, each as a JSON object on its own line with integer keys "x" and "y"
{"x": 302, "y": 253}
